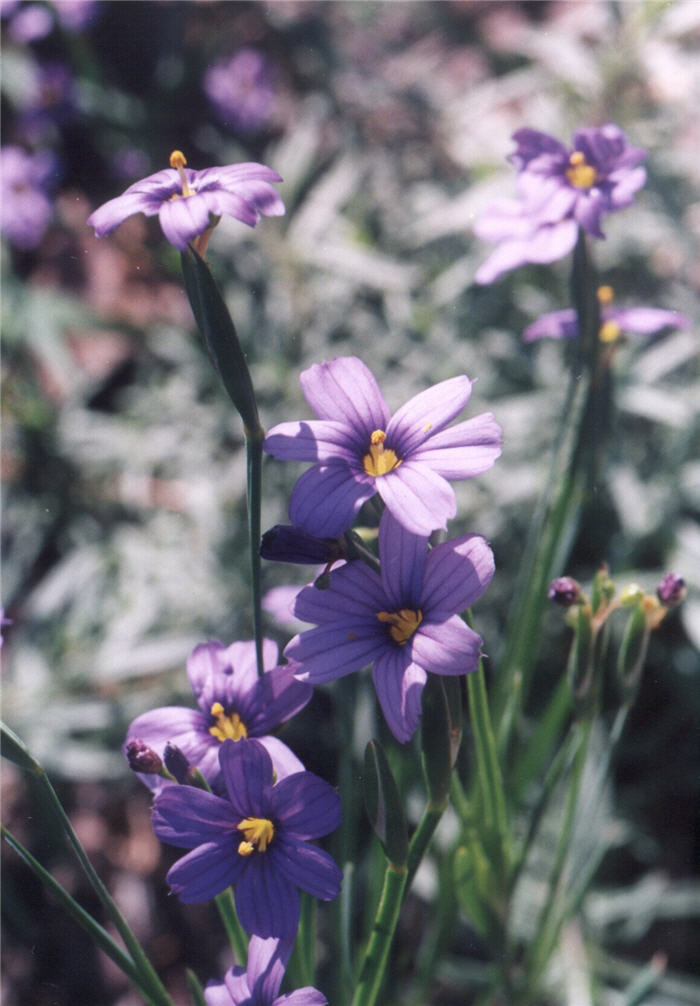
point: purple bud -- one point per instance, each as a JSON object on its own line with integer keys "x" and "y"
{"x": 176, "y": 763}
{"x": 141, "y": 758}
{"x": 671, "y": 589}
{"x": 564, "y": 591}
{"x": 286, "y": 543}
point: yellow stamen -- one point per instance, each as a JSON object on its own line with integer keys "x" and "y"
{"x": 605, "y": 294}
{"x": 258, "y": 831}
{"x": 379, "y": 460}
{"x": 581, "y": 174}
{"x": 178, "y": 160}
{"x": 402, "y": 623}
{"x": 609, "y": 331}
{"x": 229, "y": 727}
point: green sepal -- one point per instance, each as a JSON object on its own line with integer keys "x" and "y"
{"x": 633, "y": 650}
{"x": 219, "y": 333}
{"x": 383, "y": 805}
{"x": 581, "y": 656}
{"x": 441, "y": 734}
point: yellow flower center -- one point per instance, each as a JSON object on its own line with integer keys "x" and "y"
{"x": 402, "y": 624}
{"x": 581, "y": 174}
{"x": 605, "y": 295}
{"x": 258, "y": 832}
{"x": 226, "y": 727}
{"x": 609, "y": 331}
{"x": 379, "y": 460}
{"x": 178, "y": 161}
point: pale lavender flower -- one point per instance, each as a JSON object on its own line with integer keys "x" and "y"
{"x": 189, "y": 202}
{"x": 361, "y": 449}
{"x": 259, "y": 983}
{"x": 256, "y": 839}
{"x": 560, "y": 189}
{"x": 234, "y": 703}
{"x": 26, "y": 209}
{"x": 241, "y": 90}
{"x": 405, "y": 621}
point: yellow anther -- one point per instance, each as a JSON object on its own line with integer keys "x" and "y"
{"x": 605, "y": 294}
{"x": 258, "y": 831}
{"x": 178, "y": 161}
{"x": 609, "y": 331}
{"x": 229, "y": 727}
{"x": 402, "y": 623}
{"x": 245, "y": 848}
{"x": 379, "y": 460}
{"x": 581, "y": 174}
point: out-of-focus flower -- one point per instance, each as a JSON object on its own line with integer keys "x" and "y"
{"x": 234, "y": 703}
{"x": 259, "y": 983}
{"x": 26, "y": 208}
{"x": 564, "y": 591}
{"x": 615, "y": 321}
{"x": 560, "y": 190}
{"x": 73, "y": 15}
{"x": 671, "y": 589}
{"x": 52, "y": 101}
{"x": 361, "y": 449}
{"x": 257, "y": 839}
{"x": 241, "y": 89}
{"x": 189, "y": 202}
{"x": 30, "y": 22}
{"x": 405, "y": 621}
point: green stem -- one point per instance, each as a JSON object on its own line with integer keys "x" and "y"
{"x": 235, "y": 932}
{"x": 420, "y": 840}
{"x": 254, "y": 455}
{"x": 488, "y": 766}
{"x": 96, "y": 932}
{"x": 377, "y": 953}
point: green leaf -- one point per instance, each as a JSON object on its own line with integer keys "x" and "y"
{"x": 383, "y": 805}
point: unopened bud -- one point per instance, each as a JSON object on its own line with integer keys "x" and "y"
{"x": 564, "y": 591}
{"x": 286, "y": 543}
{"x": 142, "y": 758}
{"x": 631, "y": 595}
{"x": 176, "y": 763}
{"x": 672, "y": 589}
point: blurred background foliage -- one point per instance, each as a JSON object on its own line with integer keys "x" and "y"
{"x": 124, "y": 468}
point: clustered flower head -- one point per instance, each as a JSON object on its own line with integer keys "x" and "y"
{"x": 360, "y": 449}
{"x": 188, "y": 203}
{"x": 560, "y": 189}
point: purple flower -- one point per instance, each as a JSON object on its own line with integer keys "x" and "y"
{"x": 241, "y": 90}
{"x": 361, "y": 449}
{"x": 189, "y": 202}
{"x": 234, "y": 703}
{"x": 256, "y": 839}
{"x": 671, "y": 590}
{"x": 614, "y": 321}
{"x": 259, "y": 983}
{"x": 405, "y": 621}
{"x": 559, "y": 190}
{"x": 26, "y": 208}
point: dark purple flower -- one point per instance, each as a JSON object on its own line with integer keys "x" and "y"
{"x": 671, "y": 589}
{"x": 614, "y": 321}
{"x": 405, "y": 621}
{"x": 141, "y": 757}
{"x": 26, "y": 208}
{"x": 256, "y": 839}
{"x": 560, "y": 190}
{"x": 234, "y": 703}
{"x": 190, "y": 202}
{"x": 361, "y": 449}
{"x": 241, "y": 89}
{"x": 564, "y": 591}
{"x": 259, "y": 983}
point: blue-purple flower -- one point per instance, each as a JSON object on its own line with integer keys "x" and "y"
{"x": 234, "y": 703}
{"x": 241, "y": 89}
{"x": 560, "y": 189}
{"x": 405, "y": 621}
{"x": 188, "y": 202}
{"x": 360, "y": 449}
{"x": 615, "y": 321}
{"x": 256, "y": 839}
{"x": 259, "y": 983}
{"x": 26, "y": 209}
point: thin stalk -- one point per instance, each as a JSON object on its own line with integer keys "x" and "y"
{"x": 96, "y": 932}
{"x": 194, "y": 987}
{"x": 254, "y": 455}
{"x": 376, "y": 957}
{"x": 488, "y": 766}
{"x": 236, "y": 934}
{"x": 420, "y": 840}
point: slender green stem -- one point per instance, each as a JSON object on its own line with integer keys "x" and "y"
{"x": 254, "y": 454}
{"x": 420, "y": 840}
{"x": 235, "y": 932}
{"x": 195, "y": 988}
{"x": 97, "y": 933}
{"x": 460, "y": 801}
{"x": 488, "y": 766}
{"x": 376, "y": 957}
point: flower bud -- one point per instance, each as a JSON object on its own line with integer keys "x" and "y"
{"x": 603, "y": 589}
{"x": 142, "y": 758}
{"x": 564, "y": 591}
{"x": 631, "y": 595}
{"x": 176, "y": 763}
{"x": 671, "y": 589}
{"x": 383, "y": 805}
{"x": 286, "y": 543}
